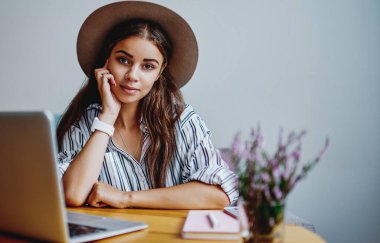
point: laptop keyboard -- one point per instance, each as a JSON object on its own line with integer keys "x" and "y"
{"x": 76, "y": 229}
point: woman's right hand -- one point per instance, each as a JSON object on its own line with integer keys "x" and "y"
{"x": 110, "y": 104}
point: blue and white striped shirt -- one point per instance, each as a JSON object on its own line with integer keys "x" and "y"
{"x": 195, "y": 158}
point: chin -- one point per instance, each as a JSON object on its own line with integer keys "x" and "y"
{"x": 126, "y": 99}
{"x": 129, "y": 100}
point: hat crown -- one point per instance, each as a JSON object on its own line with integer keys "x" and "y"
{"x": 95, "y": 29}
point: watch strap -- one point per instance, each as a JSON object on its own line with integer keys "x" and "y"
{"x": 102, "y": 127}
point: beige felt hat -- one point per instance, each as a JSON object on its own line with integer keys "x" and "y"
{"x": 97, "y": 25}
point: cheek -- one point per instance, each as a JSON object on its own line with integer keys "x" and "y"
{"x": 150, "y": 78}
{"x": 115, "y": 70}
{"x": 111, "y": 64}
{"x": 148, "y": 86}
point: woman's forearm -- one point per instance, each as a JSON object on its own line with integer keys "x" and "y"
{"x": 191, "y": 195}
{"x": 84, "y": 170}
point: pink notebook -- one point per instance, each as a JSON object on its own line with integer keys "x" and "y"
{"x": 198, "y": 226}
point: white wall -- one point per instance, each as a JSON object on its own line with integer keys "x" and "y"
{"x": 297, "y": 64}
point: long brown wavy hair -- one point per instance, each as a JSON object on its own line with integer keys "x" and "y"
{"x": 159, "y": 109}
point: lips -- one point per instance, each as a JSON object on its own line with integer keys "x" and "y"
{"x": 129, "y": 89}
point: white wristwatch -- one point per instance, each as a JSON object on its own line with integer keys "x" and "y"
{"x": 102, "y": 127}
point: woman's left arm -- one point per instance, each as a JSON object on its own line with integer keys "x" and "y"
{"x": 191, "y": 195}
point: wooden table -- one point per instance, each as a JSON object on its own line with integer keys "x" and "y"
{"x": 165, "y": 226}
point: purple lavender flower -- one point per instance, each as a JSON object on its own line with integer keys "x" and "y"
{"x": 258, "y": 187}
{"x": 265, "y": 177}
{"x": 267, "y": 194}
{"x": 235, "y": 147}
{"x": 260, "y": 160}
{"x": 276, "y": 175}
{"x": 271, "y": 178}
{"x": 296, "y": 154}
{"x": 288, "y": 170}
{"x": 277, "y": 193}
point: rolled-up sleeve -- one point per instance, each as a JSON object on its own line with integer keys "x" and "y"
{"x": 73, "y": 142}
{"x": 204, "y": 162}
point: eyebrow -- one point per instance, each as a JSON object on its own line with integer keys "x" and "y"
{"x": 131, "y": 56}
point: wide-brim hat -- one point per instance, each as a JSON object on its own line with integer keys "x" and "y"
{"x": 99, "y": 23}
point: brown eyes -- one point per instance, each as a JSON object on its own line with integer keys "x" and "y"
{"x": 147, "y": 66}
{"x": 123, "y": 60}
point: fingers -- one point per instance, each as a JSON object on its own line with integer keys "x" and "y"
{"x": 100, "y": 72}
{"x": 109, "y": 78}
{"x": 105, "y": 80}
{"x": 94, "y": 201}
{"x": 95, "y": 197}
{"x": 104, "y": 84}
{"x": 103, "y": 76}
{"x": 103, "y": 195}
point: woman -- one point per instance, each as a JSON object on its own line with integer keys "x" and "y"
{"x": 127, "y": 139}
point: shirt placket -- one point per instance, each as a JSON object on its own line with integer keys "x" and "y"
{"x": 141, "y": 165}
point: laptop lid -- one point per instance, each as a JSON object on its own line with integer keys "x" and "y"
{"x": 32, "y": 201}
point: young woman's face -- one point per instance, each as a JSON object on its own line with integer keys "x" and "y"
{"x": 135, "y": 64}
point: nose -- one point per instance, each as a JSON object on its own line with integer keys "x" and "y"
{"x": 132, "y": 73}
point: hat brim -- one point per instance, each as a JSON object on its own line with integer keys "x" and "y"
{"x": 98, "y": 24}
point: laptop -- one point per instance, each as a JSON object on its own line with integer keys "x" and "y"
{"x": 32, "y": 202}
